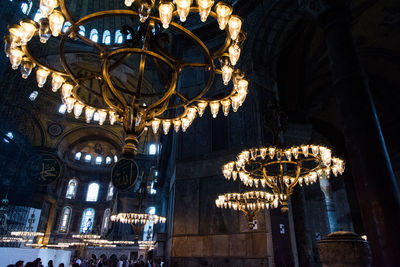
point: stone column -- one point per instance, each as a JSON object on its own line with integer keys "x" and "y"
{"x": 376, "y": 186}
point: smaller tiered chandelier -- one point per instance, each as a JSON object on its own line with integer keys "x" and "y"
{"x": 250, "y": 203}
{"x": 275, "y": 171}
{"x": 137, "y": 220}
{"x": 26, "y": 235}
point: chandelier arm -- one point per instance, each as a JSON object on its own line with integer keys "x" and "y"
{"x": 270, "y": 185}
{"x": 28, "y": 53}
{"x": 107, "y": 100}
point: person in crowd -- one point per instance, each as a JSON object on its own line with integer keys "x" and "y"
{"x": 11, "y": 265}
{"x": 61, "y": 265}
{"x": 30, "y": 264}
{"x": 19, "y": 264}
{"x": 50, "y": 263}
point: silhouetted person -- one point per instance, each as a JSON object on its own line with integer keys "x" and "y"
{"x": 19, "y": 264}
{"x": 50, "y": 263}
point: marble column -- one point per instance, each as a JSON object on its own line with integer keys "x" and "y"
{"x": 376, "y": 186}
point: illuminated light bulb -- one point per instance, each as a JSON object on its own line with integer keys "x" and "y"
{"x": 112, "y": 116}
{"x": 295, "y": 152}
{"x": 314, "y": 150}
{"x": 288, "y": 154}
{"x": 155, "y": 124}
{"x": 7, "y": 45}
{"x": 56, "y": 82}
{"x": 226, "y": 104}
{"x": 271, "y": 152}
{"x": 89, "y": 111}
{"x": 66, "y": 90}
{"x": 234, "y": 54}
{"x": 102, "y": 116}
{"x": 47, "y": 6}
{"x": 166, "y": 126}
{"x": 185, "y": 123}
{"x": 236, "y": 77}
{"x": 235, "y": 24}
{"x": 29, "y": 29}
{"x": 41, "y": 76}
{"x": 243, "y": 84}
{"x": 204, "y": 8}
{"x": 44, "y": 30}
{"x": 177, "y": 124}
{"x": 26, "y": 67}
{"x": 183, "y": 7}
{"x": 201, "y": 106}
{"x": 214, "y": 107}
{"x": 69, "y": 102}
{"x": 235, "y": 102}
{"x": 56, "y": 20}
{"x": 78, "y": 108}
{"x": 304, "y": 149}
{"x": 15, "y": 57}
{"x": 226, "y": 74}
{"x": 223, "y": 11}
{"x": 16, "y": 33}
{"x": 128, "y": 3}
{"x": 165, "y": 10}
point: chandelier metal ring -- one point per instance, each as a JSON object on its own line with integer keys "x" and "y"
{"x": 125, "y": 102}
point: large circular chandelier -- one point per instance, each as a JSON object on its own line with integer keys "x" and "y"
{"x": 278, "y": 170}
{"x": 137, "y": 220}
{"x": 136, "y": 109}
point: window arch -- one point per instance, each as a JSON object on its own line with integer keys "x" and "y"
{"x": 152, "y": 149}
{"x": 106, "y": 37}
{"x": 98, "y": 160}
{"x": 78, "y": 155}
{"x": 65, "y": 218}
{"x": 94, "y": 35}
{"x": 82, "y": 30}
{"x": 106, "y": 221}
{"x": 110, "y": 191}
{"x": 118, "y": 37}
{"x": 108, "y": 160}
{"x": 26, "y": 7}
{"x": 71, "y": 189}
{"x": 87, "y": 221}
{"x": 67, "y": 24}
{"x": 93, "y": 192}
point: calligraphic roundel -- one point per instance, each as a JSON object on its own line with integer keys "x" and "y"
{"x": 43, "y": 168}
{"x": 124, "y": 174}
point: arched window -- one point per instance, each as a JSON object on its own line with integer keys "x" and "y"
{"x": 62, "y": 109}
{"x": 152, "y": 149}
{"x": 67, "y": 24}
{"x": 98, "y": 160}
{"x": 88, "y": 157}
{"x": 37, "y": 16}
{"x": 118, "y": 37}
{"x": 115, "y": 158}
{"x": 93, "y": 192}
{"x": 87, "y": 221}
{"x": 94, "y": 35}
{"x": 106, "y": 37}
{"x": 110, "y": 191}
{"x": 106, "y": 221}
{"x": 78, "y": 155}
{"x": 108, "y": 160}
{"x": 129, "y": 37}
{"x": 64, "y": 221}
{"x": 26, "y": 7}
{"x": 71, "y": 189}
{"x": 81, "y": 30}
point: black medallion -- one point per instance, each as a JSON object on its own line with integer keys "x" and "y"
{"x": 124, "y": 174}
{"x": 43, "y": 169}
